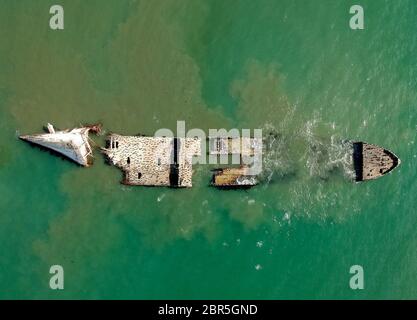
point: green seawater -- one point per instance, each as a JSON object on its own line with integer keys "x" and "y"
{"x": 293, "y": 67}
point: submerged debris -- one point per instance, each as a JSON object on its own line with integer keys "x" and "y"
{"x": 371, "y": 162}
{"x": 73, "y": 144}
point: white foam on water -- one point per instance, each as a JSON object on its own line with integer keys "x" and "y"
{"x": 276, "y": 160}
{"x": 161, "y": 197}
{"x": 325, "y": 155}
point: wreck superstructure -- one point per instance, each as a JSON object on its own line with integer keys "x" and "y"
{"x": 153, "y": 161}
{"x": 371, "y": 161}
{"x": 73, "y": 144}
{"x": 244, "y": 146}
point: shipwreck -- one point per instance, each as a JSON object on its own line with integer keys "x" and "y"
{"x": 73, "y": 144}
{"x": 168, "y": 161}
{"x": 371, "y": 162}
{"x": 234, "y": 177}
{"x": 153, "y": 161}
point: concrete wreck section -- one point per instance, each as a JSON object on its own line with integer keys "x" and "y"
{"x": 73, "y": 144}
{"x": 153, "y": 161}
{"x": 234, "y": 178}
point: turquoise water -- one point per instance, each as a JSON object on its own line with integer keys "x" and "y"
{"x": 291, "y": 67}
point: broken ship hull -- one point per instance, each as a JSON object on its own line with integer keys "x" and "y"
{"x": 372, "y": 162}
{"x": 71, "y": 144}
{"x": 233, "y": 178}
{"x": 153, "y": 161}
